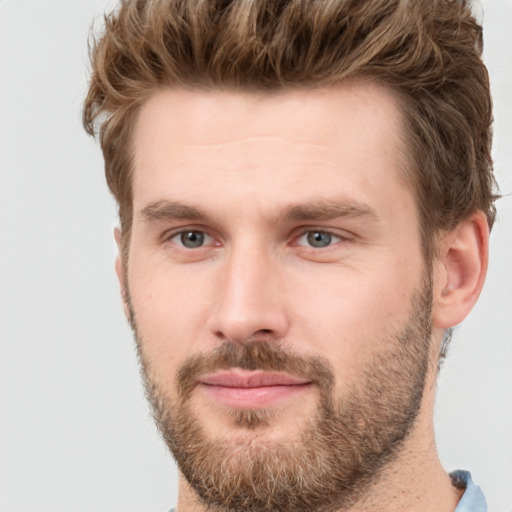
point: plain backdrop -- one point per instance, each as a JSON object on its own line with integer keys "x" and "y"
{"x": 75, "y": 432}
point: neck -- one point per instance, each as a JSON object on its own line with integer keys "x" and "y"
{"x": 414, "y": 481}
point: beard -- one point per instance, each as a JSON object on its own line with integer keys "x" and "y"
{"x": 340, "y": 451}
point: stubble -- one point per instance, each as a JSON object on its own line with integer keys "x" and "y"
{"x": 339, "y": 452}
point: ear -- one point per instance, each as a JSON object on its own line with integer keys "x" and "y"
{"x": 120, "y": 271}
{"x": 459, "y": 270}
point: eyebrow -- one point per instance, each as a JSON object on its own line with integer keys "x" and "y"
{"x": 314, "y": 211}
{"x": 170, "y": 210}
{"x": 326, "y": 210}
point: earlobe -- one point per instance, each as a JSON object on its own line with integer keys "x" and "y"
{"x": 459, "y": 270}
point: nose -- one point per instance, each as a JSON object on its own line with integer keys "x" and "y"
{"x": 251, "y": 301}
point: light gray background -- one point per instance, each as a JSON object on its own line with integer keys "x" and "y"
{"x": 75, "y": 433}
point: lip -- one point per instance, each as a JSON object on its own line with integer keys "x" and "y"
{"x": 251, "y": 389}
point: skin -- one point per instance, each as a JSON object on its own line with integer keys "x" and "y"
{"x": 254, "y": 172}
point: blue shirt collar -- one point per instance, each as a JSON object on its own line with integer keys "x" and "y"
{"x": 473, "y": 499}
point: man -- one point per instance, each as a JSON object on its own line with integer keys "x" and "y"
{"x": 305, "y": 193}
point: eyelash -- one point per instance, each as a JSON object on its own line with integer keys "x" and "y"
{"x": 331, "y": 233}
{"x": 168, "y": 236}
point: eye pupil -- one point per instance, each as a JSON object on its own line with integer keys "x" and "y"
{"x": 192, "y": 239}
{"x": 319, "y": 239}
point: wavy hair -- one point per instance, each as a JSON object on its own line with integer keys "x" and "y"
{"x": 427, "y": 51}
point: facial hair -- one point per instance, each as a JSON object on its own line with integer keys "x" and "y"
{"x": 341, "y": 450}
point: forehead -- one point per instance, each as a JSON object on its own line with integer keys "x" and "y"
{"x": 185, "y": 116}
{"x": 346, "y": 136}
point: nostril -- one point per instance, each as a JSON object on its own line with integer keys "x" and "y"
{"x": 264, "y": 331}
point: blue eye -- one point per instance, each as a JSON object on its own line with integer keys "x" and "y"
{"x": 191, "y": 239}
{"x": 318, "y": 239}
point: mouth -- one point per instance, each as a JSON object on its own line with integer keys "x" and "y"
{"x": 245, "y": 389}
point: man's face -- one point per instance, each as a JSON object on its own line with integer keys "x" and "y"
{"x": 277, "y": 288}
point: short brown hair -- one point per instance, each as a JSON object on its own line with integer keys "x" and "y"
{"x": 427, "y": 51}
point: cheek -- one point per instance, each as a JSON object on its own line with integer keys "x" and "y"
{"x": 349, "y": 316}
{"x": 171, "y": 310}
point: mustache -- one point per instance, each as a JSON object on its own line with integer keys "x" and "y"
{"x": 254, "y": 355}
